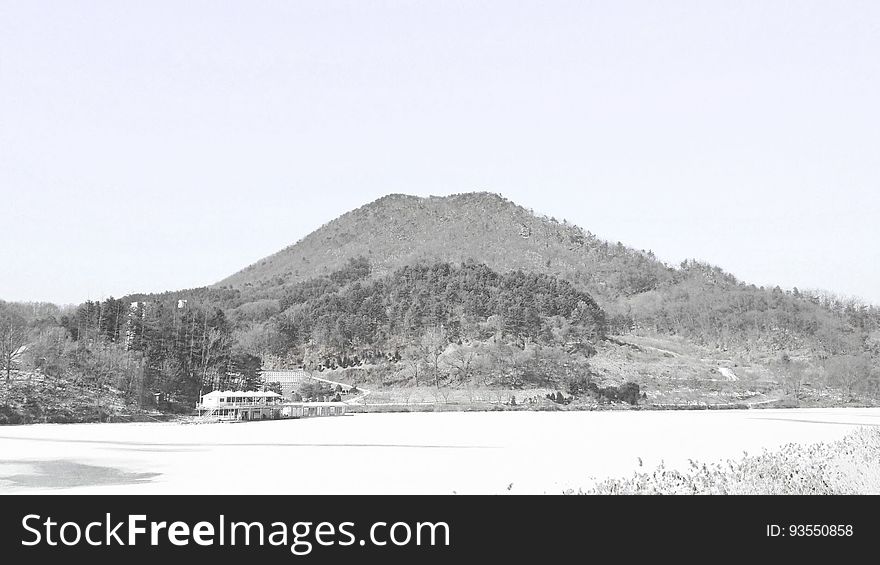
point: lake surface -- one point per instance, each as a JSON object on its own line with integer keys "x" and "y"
{"x": 442, "y": 453}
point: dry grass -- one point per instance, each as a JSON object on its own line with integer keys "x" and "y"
{"x": 35, "y": 398}
{"x": 847, "y": 466}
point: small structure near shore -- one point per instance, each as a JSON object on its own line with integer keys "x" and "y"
{"x": 240, "y": 405}
{"x": 251, "y": 405}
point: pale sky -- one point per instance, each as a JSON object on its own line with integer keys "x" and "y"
{"x": 149, "y": 146}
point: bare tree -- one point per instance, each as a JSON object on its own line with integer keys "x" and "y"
{"x": 405, "y": 393}
{"x": 850, "y": 372}
{"x": 13, "y": 335}
{"x": 460, "y": 361}
{"x": 463, "y": 362}
{"x": 412, "y": 359}
{"x": 793, "y": 374}
{"x": 432, "y": 346}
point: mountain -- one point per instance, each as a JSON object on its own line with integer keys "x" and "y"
{"x": 399, "y": 230}
{"x": 637, "y": 292}
{"x": 471, "y": 292}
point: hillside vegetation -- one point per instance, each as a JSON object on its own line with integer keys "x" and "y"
{"x": 637, "y": 291}
{"x": 35, "y": 398}
{"x": 464, "y": 291}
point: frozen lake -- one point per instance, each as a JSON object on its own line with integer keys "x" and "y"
{"x": 442, "y": 453}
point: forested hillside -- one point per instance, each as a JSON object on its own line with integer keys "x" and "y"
{"x": 637, "y": 291}
{"x": 464, "y": 290}
{"x": 444, "y": 324}
{"x": 381, "y": 317}
{"x": 712, "y": 308}
{"x": 138, "y": 351}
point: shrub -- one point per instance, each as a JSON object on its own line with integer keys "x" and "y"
{"x": 629, "y": 392}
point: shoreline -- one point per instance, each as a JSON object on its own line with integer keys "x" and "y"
{"x": 353, "y": 409}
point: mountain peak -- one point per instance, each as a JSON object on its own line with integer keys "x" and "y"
{"x": 401, "y": 229}
{"x": 462, "y": 198}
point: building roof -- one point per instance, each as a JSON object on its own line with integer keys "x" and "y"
{"x": 241, "y": 394}
{"x": 293, "y": 376}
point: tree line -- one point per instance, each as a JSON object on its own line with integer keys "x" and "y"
{"x": 445, "y": 323}
{"x": 437, "y": 324}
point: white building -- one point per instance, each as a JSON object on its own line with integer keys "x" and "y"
{"x": 240, "y": 405}
{"x": 251, "y": 405}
